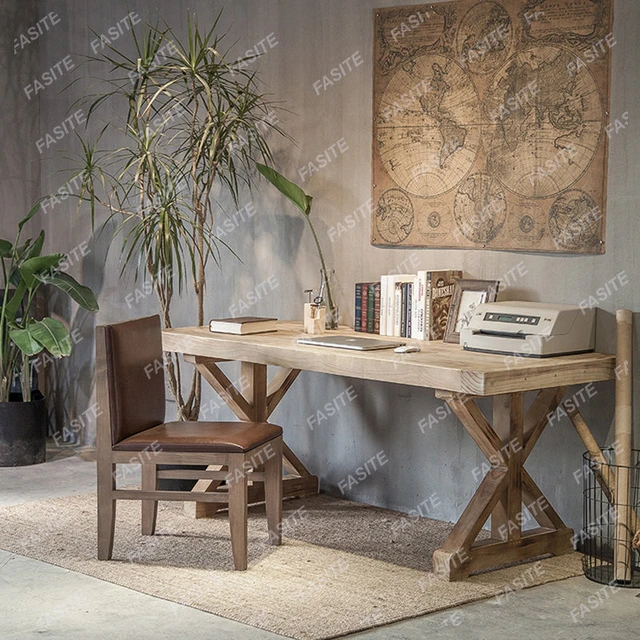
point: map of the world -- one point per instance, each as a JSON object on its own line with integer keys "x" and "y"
{"x": 490, "y": 124}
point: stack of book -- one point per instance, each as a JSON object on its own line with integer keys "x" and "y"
{"x": 406, "y": 305}
{"x": 367, "y": 316}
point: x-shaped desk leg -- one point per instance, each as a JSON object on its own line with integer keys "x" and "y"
{"x": 255, "y": 401}
{"x": 504, "y": 490}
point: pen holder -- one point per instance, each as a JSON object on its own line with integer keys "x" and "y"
{"x": 314, "y": 318}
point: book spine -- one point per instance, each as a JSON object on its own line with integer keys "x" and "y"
{"x": 419, "y": 298}
{"x": 427, "y": 306}
{"x": 384, "y": 281}
{"x": 391, "y": 304}
{"x": 371, "y": 291}
{"x": 409, "y": 309}
{"x": 403, "y": 321}
{"x": 414, "y": 306}
{"x": 358, "y": 312}
{"x": 365, "y": 306}
{"x": 397, "y": 309}
{"x": 376, "y": 309}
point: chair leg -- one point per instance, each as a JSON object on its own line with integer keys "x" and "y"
{"x": 149, "y": 507}
{"x": 273, "y": 491}
{"x": 238, "y": 499}
{"x": 106, "y": 508}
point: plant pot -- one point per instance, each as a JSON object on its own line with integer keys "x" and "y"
{"x": 23, "y": 433}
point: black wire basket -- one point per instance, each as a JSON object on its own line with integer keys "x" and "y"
{"x": 609, "y": 529}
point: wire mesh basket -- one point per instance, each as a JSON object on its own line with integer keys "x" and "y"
{"x": 610, "y": 537}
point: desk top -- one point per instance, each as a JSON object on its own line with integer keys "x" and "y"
{"x": 439, "y": 365}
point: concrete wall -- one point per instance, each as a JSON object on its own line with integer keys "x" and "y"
{"x": 312, "y": 38}
{"x": 19, "y": 168}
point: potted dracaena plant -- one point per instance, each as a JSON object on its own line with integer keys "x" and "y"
{"x": 303, "y": 201}
{"x": 22, "y": 336}
{"x": 184, "y": 125}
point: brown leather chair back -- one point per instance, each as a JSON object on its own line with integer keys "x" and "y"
{"x": 134, "y": 375}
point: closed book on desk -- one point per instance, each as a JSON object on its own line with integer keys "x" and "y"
{"x": 440, "y": 286}
{"x": 394, "y": 302}
{"x": 418, "y": 306}
{"x": 243, "y": 325}
{"x": 357, "y": 326}
{"x": 376, "y": 309}
{"x": 371, "y": 308}
{"x": 384, "y": 285}
{"x": 365, "y": 305}
{"x": 405, "y": 321}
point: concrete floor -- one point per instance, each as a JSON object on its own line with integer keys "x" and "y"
{"x": 39, "y": 600}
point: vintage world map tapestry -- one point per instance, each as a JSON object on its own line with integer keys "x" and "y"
{"x": 491, "y": 124}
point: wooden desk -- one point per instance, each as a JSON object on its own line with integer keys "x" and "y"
{"x": 458, "y": 377}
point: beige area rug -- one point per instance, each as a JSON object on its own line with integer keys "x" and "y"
{"x": 343, "y": 567}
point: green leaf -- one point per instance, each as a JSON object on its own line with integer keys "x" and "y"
{"x": 25, "y": 342}
{"x": 31, "y": 249}
{"x": 63, "y": 281}
{"x": 38, "y": 265}
{"x": 5, "y": 248}
{"x": 34, "y": 210}
{"x": 287, "y": 188}
{"x": 52, "y": 335}
{"x": 11, "y": 308}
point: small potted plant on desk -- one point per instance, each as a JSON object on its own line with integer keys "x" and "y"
{"x": 24, "y": 271}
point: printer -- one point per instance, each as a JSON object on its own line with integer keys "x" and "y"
{"x": 529, "y": 329}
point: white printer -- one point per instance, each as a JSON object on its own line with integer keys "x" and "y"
{"x": 530, "y": 329}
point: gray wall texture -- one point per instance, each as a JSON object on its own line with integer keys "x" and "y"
{"x": 304, "y": 40}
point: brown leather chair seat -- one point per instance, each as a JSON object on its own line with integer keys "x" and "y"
{"x": 215, "y": 437}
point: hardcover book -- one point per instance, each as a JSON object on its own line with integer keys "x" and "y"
{"x": 371, "y": 308}
{"x": 376, "y": 310}
{"x": 393, "y": 303}
{"x": 439, "y": 292}
{"x": 405, "y": 309}
{"x": 384, "y": 285}
{"x": 357, "y": 326}
{"x": 418, "y": 306}
{"x": 365, "y": 305}
{"x": 243, "y": 325}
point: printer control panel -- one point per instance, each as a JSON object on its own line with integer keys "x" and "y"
{"x": 512, "y": 319}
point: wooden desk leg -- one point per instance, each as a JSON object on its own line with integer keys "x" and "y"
{"x": 504, "y": 490}
{"x": 501, "y": 418}
{"x": 255, "y": 401}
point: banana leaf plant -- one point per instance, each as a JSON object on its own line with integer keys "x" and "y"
{"x": 24, "y": 271}
{"x": 303, "y": 201}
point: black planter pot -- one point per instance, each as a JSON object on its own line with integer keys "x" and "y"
{"x": 23, "y": 432}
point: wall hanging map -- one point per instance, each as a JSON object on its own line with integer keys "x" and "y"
{"x": 491, "y": 124}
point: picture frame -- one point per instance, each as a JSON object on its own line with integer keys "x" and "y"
{"x": 467, "y": 295}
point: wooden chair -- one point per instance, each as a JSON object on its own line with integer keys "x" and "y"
{"x": 131, "y": 428}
